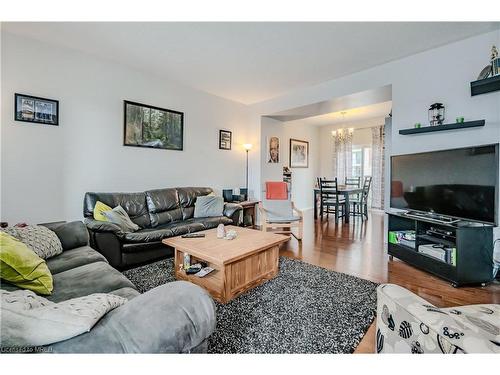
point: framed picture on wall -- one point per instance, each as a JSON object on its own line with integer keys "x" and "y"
{"x": 273, "y": 150}
{"x": 152, "y": 127}
{"x": 299, "y": 154}
{"x": 225, "y": 139}
{"x": 35, "y": 109}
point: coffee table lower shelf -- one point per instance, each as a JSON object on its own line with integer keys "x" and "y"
{"x": 228, "y": 281}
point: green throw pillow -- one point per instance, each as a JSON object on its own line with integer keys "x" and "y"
{"x": 20, "y": 266}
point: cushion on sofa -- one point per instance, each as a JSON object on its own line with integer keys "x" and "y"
{"x": 120, "y": 217}
{"x": 99, "y": 210}
{"x": 98, "y": 277}
{"x": 208, "y": 206}
{"x": 174, "y": 229}
{"x": 187, "y": 198}
{"x": 74, "y": 258}
{"x": 20, "y": 266}
{"x": 31, "y": 320}
{"x": 38, "y": 238}
{"x": 163, "y": 206}
{"x": 71, "y": 235}
{"x": 149, "y": 235}
{"x": 133, "y": 203}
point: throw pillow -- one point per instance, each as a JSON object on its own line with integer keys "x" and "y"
{"x": 38, "y": 238}
{"x": 31, "y": 320}
{"x": 20, "y": 266}
{"x": 120, "y": 217}
{"x": 99, "y": 210}
{"x": 208, "y": 206}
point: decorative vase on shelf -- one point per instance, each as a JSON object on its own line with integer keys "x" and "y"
{"x": 495, "y": 62}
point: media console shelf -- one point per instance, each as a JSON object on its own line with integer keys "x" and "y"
{"x": 437, "y": 128}
{"x": 471, "y": 244}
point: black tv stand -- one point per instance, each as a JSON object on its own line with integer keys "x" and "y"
{"x": 431, "y": 216}
{"x": 468, "y": 246}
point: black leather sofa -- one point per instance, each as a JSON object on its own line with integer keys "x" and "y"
{"x": 159, "y": 213}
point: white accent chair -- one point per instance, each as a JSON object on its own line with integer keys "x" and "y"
{"x": 281, "y": 216}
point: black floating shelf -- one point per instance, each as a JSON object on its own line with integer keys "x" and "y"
{"x": 437, "y": 128}
{"x": 484, "y": 86}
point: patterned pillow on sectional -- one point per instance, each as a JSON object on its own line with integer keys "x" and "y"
{"x": 40, "y": 239}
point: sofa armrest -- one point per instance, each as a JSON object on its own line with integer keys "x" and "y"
{"x": 407, "y": 323}
{"x": 232, "y": 211}
{"x": 175, "y": 317}
{"x": 103, "y": 227}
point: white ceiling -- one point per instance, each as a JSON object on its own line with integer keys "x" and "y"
{"x": 351, "y": 115}
{"x": 250, "y": 62}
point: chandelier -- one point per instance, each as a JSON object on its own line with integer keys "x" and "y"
{"x": 343, "y": 135}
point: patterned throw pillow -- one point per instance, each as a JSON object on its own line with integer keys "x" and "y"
{"x": 31, "y": 320}
{"x": 40, "y": 239}
{"x": 119, "y": 216}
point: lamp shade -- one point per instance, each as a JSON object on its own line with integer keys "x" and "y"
{"x": 247, "y": 146}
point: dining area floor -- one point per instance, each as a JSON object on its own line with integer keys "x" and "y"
{"x": 357, "y": 248}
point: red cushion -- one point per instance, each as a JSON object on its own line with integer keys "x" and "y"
{"x": 276, "y": 190}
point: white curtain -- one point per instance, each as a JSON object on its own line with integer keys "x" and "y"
{"x": 342, "y": 155}
{"x": 378, "y": 167}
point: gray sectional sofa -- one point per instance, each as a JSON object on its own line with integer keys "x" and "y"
{"x": 174, "y": 318}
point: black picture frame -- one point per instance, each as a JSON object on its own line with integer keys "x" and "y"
{"x": 175, "y": 120}
{"x": 293, "y": 159}
{"x": 36, "y": 109}
{"x": 223, "y": 134}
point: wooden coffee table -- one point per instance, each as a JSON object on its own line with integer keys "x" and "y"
{"x": 239, "y": 265}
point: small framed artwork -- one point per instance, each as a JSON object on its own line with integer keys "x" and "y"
{"x": 37, "y": 110}
{"x": 273, "y": 150}
{"x": 299, "y": 154}
{"x": 225, "y": 139}
{"x": 152, "y": 127}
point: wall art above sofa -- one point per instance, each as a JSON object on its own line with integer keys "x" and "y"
{"x": 152, "y": 127}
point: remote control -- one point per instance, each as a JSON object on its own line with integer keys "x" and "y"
{"x": 205, "y": 271}
{"x": 193, "y": 235}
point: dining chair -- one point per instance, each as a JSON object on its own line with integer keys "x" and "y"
{"x": 353, "y": 181}
{"x": 331, "y": 202}
{"x": 360, "y": 205}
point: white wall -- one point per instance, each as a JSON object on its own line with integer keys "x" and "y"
{"x": 303, "y": 179}
{"x": 47, "y": 169}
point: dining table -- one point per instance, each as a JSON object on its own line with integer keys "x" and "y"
{"x": 344, "y": 190}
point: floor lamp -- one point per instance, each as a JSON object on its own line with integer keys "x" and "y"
{"x": 247, "y": 147}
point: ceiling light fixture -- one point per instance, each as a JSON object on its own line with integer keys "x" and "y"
{"x": 343, "y": 134}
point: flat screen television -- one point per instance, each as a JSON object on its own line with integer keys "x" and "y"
{"x": 460, "y": 183}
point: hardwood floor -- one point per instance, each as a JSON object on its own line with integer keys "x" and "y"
{"x": 358, "y": 249}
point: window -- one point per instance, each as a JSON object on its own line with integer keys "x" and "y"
{"x": 357, "y": 162}
{"x": 361, "y": 161}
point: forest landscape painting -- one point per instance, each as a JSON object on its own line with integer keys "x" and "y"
{"x": 153, "y": 127}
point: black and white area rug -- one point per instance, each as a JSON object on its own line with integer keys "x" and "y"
{"x": 305, "y": 309}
